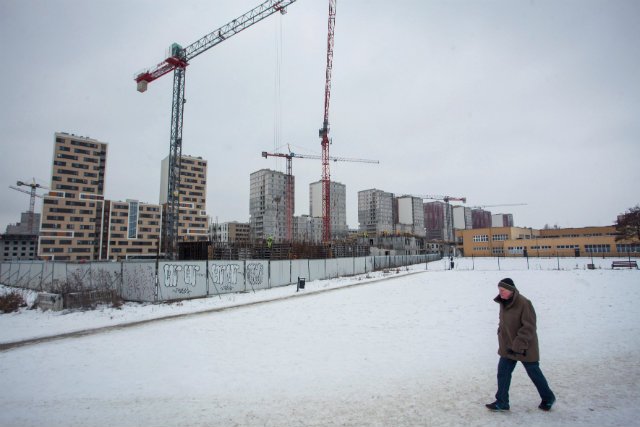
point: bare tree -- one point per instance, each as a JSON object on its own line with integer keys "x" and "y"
{"x": 628, "y": 224}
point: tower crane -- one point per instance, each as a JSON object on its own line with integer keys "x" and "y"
{"x": 444, "y": 198}
{"x": 447, "y": 213}
{"x": 32, "y": 192}
{"x": 495, "y": 206}
{"x": 324, "y": 131}
{"x": 178, "y": 60}
{"x": 289, "y": 184}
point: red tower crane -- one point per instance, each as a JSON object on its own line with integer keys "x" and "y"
{"x": 324, "y": 131}
{"x": 289, "y": 189}
{"x": 177, "y": 62}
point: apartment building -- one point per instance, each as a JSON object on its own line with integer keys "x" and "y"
{"x": 268, "y": 205}
{"x": 20, "y": 241}
{"x": 502, "y": 220}
{"x": 307, "y": 229}
{"x": 70, "y": 209}
{"x": 338, "y": 208}
{"x": 438, "y": 221}
{"x": 462, "y": 217}
{"x": 480, "y": 218}
{"x": 375, "y": 212}
{"x": 193, "y": 223}
{"x": 408, "y": 214}
{"x": 129, "y": 230}
{"x": 231, "y": 232}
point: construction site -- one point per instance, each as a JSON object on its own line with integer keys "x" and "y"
{"x": 79, "y": 223}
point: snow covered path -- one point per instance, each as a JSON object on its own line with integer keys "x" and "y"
{"x": 417, "y": 350}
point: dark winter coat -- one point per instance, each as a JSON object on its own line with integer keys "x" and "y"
{"x": 517, "y": 336}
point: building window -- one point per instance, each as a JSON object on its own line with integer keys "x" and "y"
{"x": 597, "y": 248}
{"x": 628, "y": 248}
{"x": 481, "y": 238}
{"x": 133, "y": 220}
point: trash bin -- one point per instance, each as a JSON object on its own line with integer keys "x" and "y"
{"x": 301, "y": 282}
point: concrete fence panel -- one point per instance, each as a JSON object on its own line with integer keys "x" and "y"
{"x": 331, "y": 268}
{"x": 360, "y": 265}
{"x": 27, "y": 275}
{"x": 73, "y": 278}
{"x": 106, "y": 276}
{"x": 280, "y": 274}
{"x": 299, "y": 268}
{"x": 256, "y": 275}
{"x": 380, "y": 262}
{"x": 226, "y": 277}
{"x": 139, "y": 281}
{"x": 316, "y": 270}
{"x": 182, "y": 280}
{"x": 346, "y": 266}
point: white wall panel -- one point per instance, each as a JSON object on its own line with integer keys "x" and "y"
{"x": 182, "y": 280}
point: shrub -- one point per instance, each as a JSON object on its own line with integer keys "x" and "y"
{"x": 11, "y": 302}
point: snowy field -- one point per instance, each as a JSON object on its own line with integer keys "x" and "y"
{"x": 410, "y": 348}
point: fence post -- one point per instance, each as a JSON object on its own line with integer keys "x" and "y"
{"x": 206, "y": 272}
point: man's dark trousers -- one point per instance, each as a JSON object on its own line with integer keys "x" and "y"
{"x": 505, "y": 369}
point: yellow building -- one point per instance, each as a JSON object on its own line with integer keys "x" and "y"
{"x": 517, "y": 241}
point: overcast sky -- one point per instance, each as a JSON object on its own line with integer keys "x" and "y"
{"x": 501, "y": 102}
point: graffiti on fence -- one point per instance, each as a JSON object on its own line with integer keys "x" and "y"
{"x": 255, "y": 273}
{"x": 172, "y": 277}
{"x": 225, "y": 276}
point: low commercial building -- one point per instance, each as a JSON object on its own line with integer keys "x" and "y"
{"x": 518, "y": 241}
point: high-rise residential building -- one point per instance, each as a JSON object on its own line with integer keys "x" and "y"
{"x": 129, "y": 230}
{"x": 338, "y": 208}
{"x": 307, "y": 229}
{"x": 409, "y": 215}
{"x": 438, "y": 221}
{"x": 480, "y": 218}
{"x": 193, "y": 224}
{"x": 70, "y": 209}
{"x": 375, "y": 212}
{"x": 502, "y": 220}
{"x": 268, "y": 205}
{"x": 462, "y": 218}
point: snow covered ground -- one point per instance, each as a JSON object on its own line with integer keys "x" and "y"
{"x": 413, "y": 348}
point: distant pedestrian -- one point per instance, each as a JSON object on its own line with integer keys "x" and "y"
{"x": 518, "y": 341}
{"x": 451, "y": 263}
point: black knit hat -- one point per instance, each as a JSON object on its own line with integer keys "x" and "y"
{"x": 508, "y": 284}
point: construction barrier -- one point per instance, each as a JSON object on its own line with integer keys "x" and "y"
{"x": 157, "y": 281}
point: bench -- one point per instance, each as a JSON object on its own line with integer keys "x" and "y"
{"x": 624, "y": 264}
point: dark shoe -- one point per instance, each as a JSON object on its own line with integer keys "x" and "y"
{"x": 546, "y": 405}
{"x": 495, "y": 406}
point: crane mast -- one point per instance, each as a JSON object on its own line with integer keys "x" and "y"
{"x": 324, "y": 131}
{"x": 177, "y": 62}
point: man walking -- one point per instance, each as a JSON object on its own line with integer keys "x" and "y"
{"x": 518, "y": 341}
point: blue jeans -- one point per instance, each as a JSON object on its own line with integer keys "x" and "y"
{"x": 506, "y": 367}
